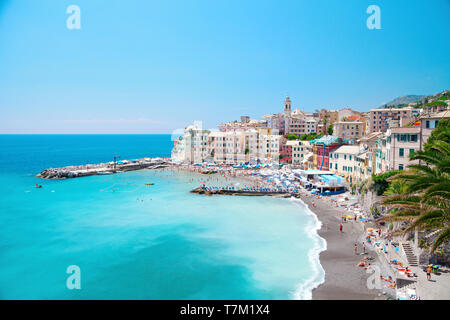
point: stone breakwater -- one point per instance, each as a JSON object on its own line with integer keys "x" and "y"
{"x": 280, "y": 194}
{"x": 103, "y": 168}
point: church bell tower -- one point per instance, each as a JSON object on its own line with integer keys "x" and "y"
{"x": 287, "y": 106}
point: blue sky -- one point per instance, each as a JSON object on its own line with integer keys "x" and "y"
{"x": 154, "y": 66}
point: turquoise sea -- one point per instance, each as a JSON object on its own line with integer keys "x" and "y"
{"x": 137, "y": 242}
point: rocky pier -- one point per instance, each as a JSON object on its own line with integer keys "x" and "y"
{"x": 204, "y": 191}
{"x": 103, "y": 168}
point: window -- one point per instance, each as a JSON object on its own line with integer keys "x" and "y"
{"x": 414, "y": 137}
{"x": 400, "y": 167}
{"x": 401, "y": 152}
{"x": 411, "y": 152}
{"x": 427, "y": 124}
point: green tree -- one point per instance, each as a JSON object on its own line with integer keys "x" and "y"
{"x": 310, "y": 136}
{"x": 426, "y": 200}
{"x": 442, "y": 132}
{"x": 380, "y": 181}
{"x": 395, "y": 188}
{"x": 247, "y": 157}
{"x": 291, "y": 136}
{"x": 330, "y": 130}
{"x": 437, "y": 103}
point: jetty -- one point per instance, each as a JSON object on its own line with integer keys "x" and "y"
{"x": 104, "y": 168}
{"x": 231, "y": 192}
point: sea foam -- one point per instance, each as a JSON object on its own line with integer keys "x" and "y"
{"x": 304, "y": 289}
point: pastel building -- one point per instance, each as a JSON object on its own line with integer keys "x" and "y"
{"x": 401, "y": 143}
{"x": 252, "y": 145}
{"x": 301, "y": 126}
{"x": 369, "y": 143}
{"x": 193, "y": 146}
{"x": 379, "y": 118}
{"x": 349, "y": 131}
{"x": 286, "y": 152}
{"x": 245, "y": 124}
{"x": 428, "y": 122}
{"x": 321, "y": 150}
{"x": 345, "y": 162}
{"x": 275, "y": 122}
{"x": 347, "y": 112}
{"x": 379, "y": 155}
{"x": 301, "y": 152}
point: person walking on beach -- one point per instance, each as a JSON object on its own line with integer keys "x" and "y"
{"x": 429, "y": 269}
{"x": 355, "y": 248}
{"x": 340, "y": 227}
{"x": 364, "y": 247}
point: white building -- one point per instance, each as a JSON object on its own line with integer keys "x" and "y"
{"x": 300, "y": 150}
{"x": 250, "y": 145}
{"x": 401, "y": 143}
{"x": 345, "y": 162}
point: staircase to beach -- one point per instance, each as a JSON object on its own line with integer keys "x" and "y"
{"x": 412, "y": 258}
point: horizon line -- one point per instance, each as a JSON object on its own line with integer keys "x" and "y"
{"x": 19, "y": 133}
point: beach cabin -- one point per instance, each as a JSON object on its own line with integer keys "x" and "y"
{"x": 325, "y": 182}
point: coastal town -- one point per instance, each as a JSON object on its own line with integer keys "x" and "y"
{"x": 343, "y": 165}
{"x": 352, "y": 144}
{"x": 339, "y": 162}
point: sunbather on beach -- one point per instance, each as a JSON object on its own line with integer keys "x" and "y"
{"x": 429, "y": 269}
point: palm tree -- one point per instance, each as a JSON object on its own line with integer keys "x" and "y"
{"x": 424, "y": 199}
{"x": 247, "y": 151}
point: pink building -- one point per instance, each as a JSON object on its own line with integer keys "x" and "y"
{"x": 379, "y": 118}
{"x": 301, "y": 126}
{"x": 285, "y": 151}
{"x": 286, "y": 154}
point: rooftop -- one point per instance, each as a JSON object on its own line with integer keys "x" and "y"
{"x": 371, "y": 136}
{"x": 327, "y": 140}
{"x": 414, "y": 129}
{"x": 347, "y": 150}
{"x": 437, "y": 115}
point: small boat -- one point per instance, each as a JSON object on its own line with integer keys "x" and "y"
{"x": 149, "y": 184}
